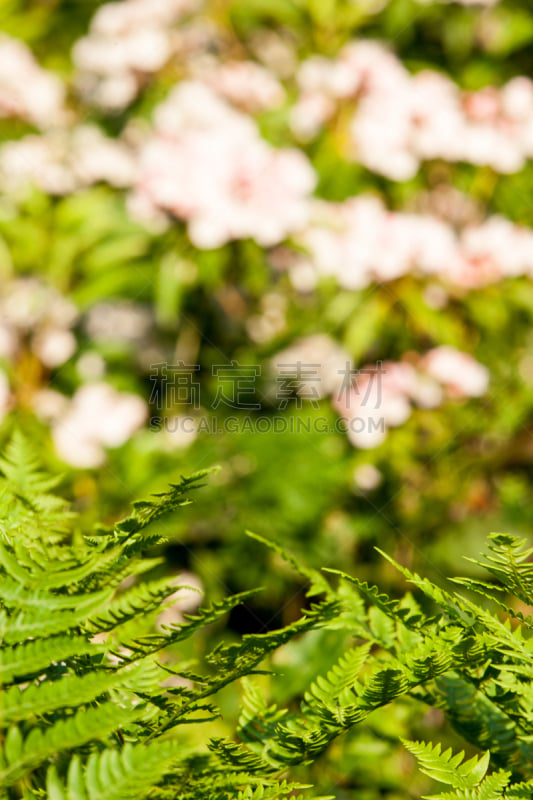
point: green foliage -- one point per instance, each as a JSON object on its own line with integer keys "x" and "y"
{"x": 98, "y": 702}
{"x": 469, "y": 779}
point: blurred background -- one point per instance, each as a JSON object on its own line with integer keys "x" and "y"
{"x": 290, "y": 238}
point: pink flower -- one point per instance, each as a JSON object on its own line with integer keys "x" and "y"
{"x": 379, "y": 397}
{"x": 490, "y": 252}
{"x": 309, "y": 113}
{"x": 26, "y": 90}
{"x": 98, "y": 417}
{"x": 127, "y": 41}
{"x": 517, "y": 99}
{"x": 402, "y": 119}
{"x": 484, "y": 105}
{"x": 207, "y": 164}
{"x": 245, "y": 84}
{"x": 459, "y": 372}
{"x": 61, "y": 161}
{"x": 376, "y": 400}
{"x": 358, "y": 241}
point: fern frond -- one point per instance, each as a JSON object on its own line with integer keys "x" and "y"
{"x": 72, "y": 691}
{"x": 132, "y": 604}
{"x": 492, "y": 787}
{"x": 181, "y": 631}
{"x": 30, "y": 658}
{"x": 147, "y": 511}
{"x": 258, "y": 719}
{"x": 336, "y": 688}
{"x": 239, "y": 756}
{"x": 317, "y": 583}
{"x": 509, "y": 561}
{"x": 476, "y": 716}
{"x": 22, "y": 755}
{"x": 26, "y": 491}
{"x": 448, "y": 768}
{"x": 126, "y": 774}
{"x": 36, "y": 624}
{"x": 384, "y": 686}
{"x": 451, "y": 605}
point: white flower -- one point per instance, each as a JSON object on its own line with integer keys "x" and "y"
{"x": 126, "y": 41}
{"x": 359, "y": 241}
{"x": 367, "y": 477}
{"x": 245, "y": 84}
{"x": 206, "y": 163}
{"x": 5, "y": 395}
{"x": 426, "y": 392}
{"x": 97, "y": 158}
{"x": 459, "y": 372}
{"x": 27, "y": 90}
{"x": 366, "y": 432}
{"x": 323, "y": 364}
{"x": 26, "y": 303}
{"x": 377, "y": 399}
{"x": 178, "y": 433}
{"x": 36, "y": 160}
{"x": 401, "y": 119}
{"x": 517, "y": 98}
{"x": 9, "y": 341}
{"x": 59, "y": 162}
{"x": 308, "y": 115}
{"x": 54, "y": 346}
{"x": 49, "y": 405}
{"x": 98, "y": 417}
{"x": 331, "y": 78}
{"x": 119, "y": 321}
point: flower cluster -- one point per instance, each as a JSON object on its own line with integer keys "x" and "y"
{"x": 206, "y": 163}
{"x": 96, "y": 417}
{"x": 35, "y": 331}
{"x": 37, "y": 317}
{"x": 377, "y": 400}
{"x": 26, "y": 90}
{"x": 245, "y": 84}
{"x": 63, "y": 160}
{"x": 400, "y": 120}
{"x": 360, "y": 242}
{"x": 36, "y": 337}
{"x": 128, "y": 41}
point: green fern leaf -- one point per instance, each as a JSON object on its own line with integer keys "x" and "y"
{"x": 448, "y": 768}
